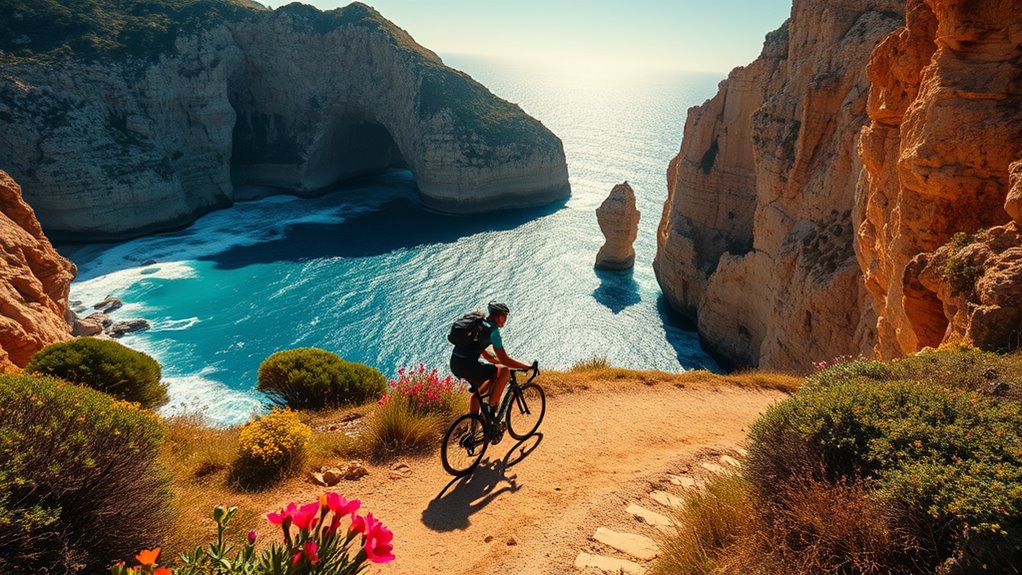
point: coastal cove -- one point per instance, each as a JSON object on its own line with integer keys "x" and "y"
{"x": 367, "y": 273}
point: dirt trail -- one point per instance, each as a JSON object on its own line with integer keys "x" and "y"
{"x": 531, "y": 507}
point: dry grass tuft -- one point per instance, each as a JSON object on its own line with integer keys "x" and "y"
{"x": 821, "y": 527}
{"x": 396, "y": 429}
{"x": 557, "y": 382}
{"x": 590, "y": 364}
{"x": 707, "y": 525}
{"x": 199, "y": 459}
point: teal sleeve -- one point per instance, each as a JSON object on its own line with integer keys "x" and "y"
{"x": 496, "y": 340}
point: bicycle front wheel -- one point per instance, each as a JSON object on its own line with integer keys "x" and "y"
{"x": 464, "y": 444}
{"x": 526, "y": 411}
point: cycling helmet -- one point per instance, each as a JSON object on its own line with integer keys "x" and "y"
{"x": 497, "y": 308}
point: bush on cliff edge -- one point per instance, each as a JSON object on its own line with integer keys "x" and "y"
{"x": 946, "y": 462}
{"x": 103, "y": 365}
{"x": 79, "y": 483}
{"x": 312, "y": 378}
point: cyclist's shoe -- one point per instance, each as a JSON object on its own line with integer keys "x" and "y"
{"x": 498, "y": 433}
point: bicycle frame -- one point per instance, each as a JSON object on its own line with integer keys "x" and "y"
{"x": 514, "y": 390}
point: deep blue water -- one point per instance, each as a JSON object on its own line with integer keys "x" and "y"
{"x": 368, "y": 274}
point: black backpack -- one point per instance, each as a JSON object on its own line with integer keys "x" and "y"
{"x": 469, "y": 333}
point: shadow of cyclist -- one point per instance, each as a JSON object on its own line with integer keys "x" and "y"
{"x": 463, "y": 496}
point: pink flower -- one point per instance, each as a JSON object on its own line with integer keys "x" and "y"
{"x": 251, "y": 537}
{"x": 358, "y": 524}
{"x": 307, "y": 516}
{"x": 284, "y": 515}
{"x": 378, "y": 546}
{"x": 341, "y": 506}
{"x": 309, "y": 549}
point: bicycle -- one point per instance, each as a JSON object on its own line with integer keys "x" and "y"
{"x": 468, "y": 437}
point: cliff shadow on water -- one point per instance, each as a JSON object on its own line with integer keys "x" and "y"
{"x": 395, "y": 221}
{"x": 679, "y": 333}
{"x": 618, "y": 289}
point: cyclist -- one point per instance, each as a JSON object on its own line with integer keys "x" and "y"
{"x": 492, "y": 376}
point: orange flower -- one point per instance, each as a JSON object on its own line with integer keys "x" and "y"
{"x": 163, "y": 571}
{"x": 148, "y": 558}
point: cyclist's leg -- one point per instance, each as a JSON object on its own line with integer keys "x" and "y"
{"x": 474, "y": 402}
{"x": 499, "y": 383}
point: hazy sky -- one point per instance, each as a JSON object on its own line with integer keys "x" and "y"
{"x": 704, "y": 35}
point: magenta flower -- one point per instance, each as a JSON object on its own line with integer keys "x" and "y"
{"x": 285, "y": 514}
{"x": 341, "y": 506}
{"x": 251, "y": 537}
{"x": 358, "y": 524}
{"x": 308, "y": 549}
{"x": 378, "y": 546}
{"x": 307, "y": 516}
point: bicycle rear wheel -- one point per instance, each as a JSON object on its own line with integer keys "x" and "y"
{"x": 464, "y": 444}
{"x": 526, "y": 411}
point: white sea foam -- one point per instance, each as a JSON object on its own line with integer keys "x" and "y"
{"x": 168, "y": 324}
{"x": 220, "y": 405}
{"x": 95, "y": 289}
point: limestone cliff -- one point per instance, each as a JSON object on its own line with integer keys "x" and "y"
{"x": 212, "y": 101}
{"x": 619, "y": 222}
{"x": 756, "y": 239}
{"x": 943, "y": 162}
{"x": 34, "y": 282}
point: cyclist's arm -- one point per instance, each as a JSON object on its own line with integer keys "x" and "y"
{"x": 508, "y": 361}
{"x": 489, "y": 357}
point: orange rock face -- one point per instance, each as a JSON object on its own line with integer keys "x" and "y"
{"x": 941, "y": 156}
{"x": 34, "y": 282}
{"x": 978, "y": 279}
{"x": 756, "y": 239}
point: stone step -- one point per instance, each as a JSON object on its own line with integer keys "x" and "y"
{"x": 608, "y": 564}
{"x": 713, "y": 468}
{"x": 683, "y": 481}
{"x": 728, "y": 460}
{"x": 666, "y": 499}
{"x": 638, "y": 546}
{"x": 650, "y": 517}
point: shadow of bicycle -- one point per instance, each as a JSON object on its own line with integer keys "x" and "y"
{"x": 463, "y": 496}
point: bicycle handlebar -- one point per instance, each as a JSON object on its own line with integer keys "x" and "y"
{"x": 534, "y": 367}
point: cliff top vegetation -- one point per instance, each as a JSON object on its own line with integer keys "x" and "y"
{"x": 50, "y": 30}
{"x": 46, "y": 29}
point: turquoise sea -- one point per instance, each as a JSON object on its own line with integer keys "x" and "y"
{"x": 368, "y": 274}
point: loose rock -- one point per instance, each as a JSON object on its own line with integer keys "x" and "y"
{"x": 108, "y": 305}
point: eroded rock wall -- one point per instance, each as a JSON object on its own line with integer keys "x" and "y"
{"x": 292, "y": 100}
{"x": 756, "y": 239}
{"x": 34, "y": 282}
{"x": 942, "y": 153}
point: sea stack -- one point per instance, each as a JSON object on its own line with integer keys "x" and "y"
{"x": 619, "y": 222}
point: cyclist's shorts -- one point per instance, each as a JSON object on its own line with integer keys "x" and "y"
{"x": 472, "y": 370}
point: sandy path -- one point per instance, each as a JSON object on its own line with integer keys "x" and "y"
{"x": 531, "y": 507}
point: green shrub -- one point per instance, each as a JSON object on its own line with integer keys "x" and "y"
{"x": 949, "y": 460}
{"x": 955, "y": 367}
{"x": 311, "y": 378}
{"x": 103, "y": 365}
{"x": 79, "y": 482}
{"x": 271, "y": 448}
